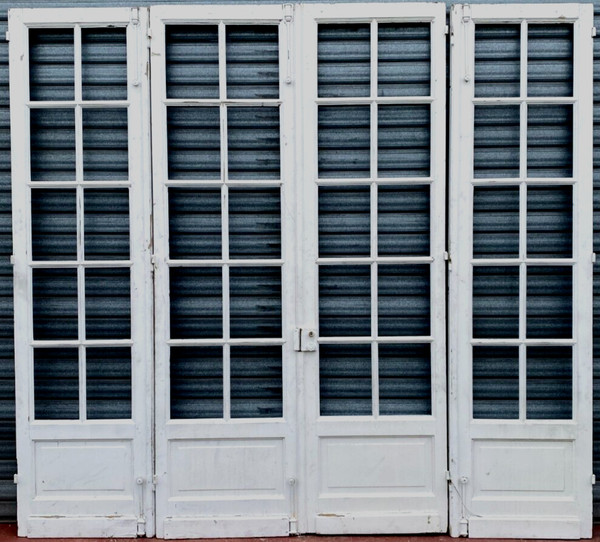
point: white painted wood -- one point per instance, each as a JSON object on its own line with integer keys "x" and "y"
{"x": 93, "y": 463}
{"x": 519, "y": 478}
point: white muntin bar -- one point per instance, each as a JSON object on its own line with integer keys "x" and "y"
{"x": 543, "y": 100}
{"x": 229, "y": 102}
{"x": 73, "y": 184}
{"x": 527, "y": 342}
{"x": 374, "y": 99}
{"x": 518, "y": 261}
{"x": 69, "y": 104}
{"x": 85, "y": 342}
{"x": 404, "y": 339}
{"x": 219, "y": 342}
{"x": 366, "y": 260}
{"x": 216, "y": 183}
{"x": 376, "y": 180}
{"x": 566, "y": 181}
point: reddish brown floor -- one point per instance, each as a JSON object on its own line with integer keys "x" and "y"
{"x": 8, "y": 533}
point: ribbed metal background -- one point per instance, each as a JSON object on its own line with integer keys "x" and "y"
{"x": 550, "y": 72}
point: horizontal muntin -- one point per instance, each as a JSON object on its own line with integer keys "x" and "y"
{"x": 221, "y": 342}
{"x": 517, "y": 100}
{"x": 399, "y": 181}
{"x": 216, "y": 102}
{"x": 69, "y": 104}
{"x": 74, "y": 184}
{"x": 216, "y": 183}
{"x": 530, "y": 181}
{"x": 487, "y": 262}
{"x": 231, "y": 262}
{"x": 381, "y": 100}
{"x": 392, "y": 339}
{"x": 68, "y": 264}
{"x": 526, "y": 342}
{"x": 85, "y": 342}
{"x": 366, "y": 260}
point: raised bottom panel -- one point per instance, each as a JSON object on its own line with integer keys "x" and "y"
{"x": 80, "y": 527}
{"x": 408, "y": 523}
{"x": 226, "y": 527}
{"x": 509, "y": 527}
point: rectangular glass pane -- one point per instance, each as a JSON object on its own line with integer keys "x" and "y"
{"x": 496, "y": 222}
{"x": 253, "y": 143}
{"x": 252, "y": 54}
{"x": 405, "y": 379}
{"x": 403, "y": 139}
{"x": 344, "y": 60}
{"x": 549, "y": 302}
{"x": 550, "y": 60}
{"x": 254, "y": 223}
{"x": 196, "y": 302}
{"x": 496, "y": 302}
{"x": 496, "y": 141}
{"x": 54, "y": 304}
{"x": 56, "y": 383}
{"x": 105, "y": 145}
{"x": 194, "y": 223}
{"x": 403, "y": 220}
{"x": 497, "y": 60}
{"x": 106, "y": 224}
{"x": 344, "y": 141}
{"x": 196, "y": 382}
{"x": 192, "y": 61}
{"x": 108, "y": 383}
{"x": 345, "y": 300}
{"x": 52, "y": 144}
{"x": 550, "y": 222}
{"x": 256, "y": 382}
{"x": 107, "y": 303}
{"x": 496, "y": 382}
{"x": 51, "y": 64}
{"x": 104, "y": 63}
{"x": 404, "y": 59}
{"x": 549, "y": 140}
{"x": 549, "y": 382}
{"x": 345, "y": 379}
{"x": 193, "y": 139}
{"x": 404, "y": 300}
{"x": 53, "y": 225}
{"x": 344, "y": 221}
{"x": 255, "y": 302}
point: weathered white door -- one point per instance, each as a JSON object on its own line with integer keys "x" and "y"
{"x": 371, "y": 198}
{"x": 225, "y": 382}
{"x": 521, "y": 271}
{"x": 81, "y": 208}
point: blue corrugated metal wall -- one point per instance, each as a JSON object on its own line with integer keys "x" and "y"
{"x": 486, "y": 207}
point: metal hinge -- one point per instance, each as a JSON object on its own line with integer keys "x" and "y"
{"x": 466, "y": 13}
{"x": 12, "y": 259}
{"x": 593, "y": 257}
{"x": 7, "y": 36}
{"x": 288, "y": 13}
{"x": 141, "y": 526}
{"x": 593, "y": 479}
{"x": 135, "y": 16}
{"x": 593, "y": 32}
{"x": 15, "y": 478}
{"x": 448, "y": 476}
{"x": 446, "y": 30}
{"x": 305, "y": 340}
{"x": 154, "y": 481}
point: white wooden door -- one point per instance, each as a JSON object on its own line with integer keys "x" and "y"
{"x": 225, "y": 383}
{"x": 81, "y": 208}
{"x": 372, "y": 168}
{"x": 521, "y": 271}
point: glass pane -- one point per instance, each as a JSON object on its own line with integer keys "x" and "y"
{"x": 345, "y": 300}
{"x": 105, "y": 145}
{"x": 106, "y": 224}
{"x": 108, "y": 383}
{"x": 192, "y": 61}
{"x": 404, "y": 59}
{"x": 496, "y": 141}
{"x": 403, "y": 138}
{"x": 52, "y": 144}
{"x": 344, "y": 60}
{"x": 550, "y": 140}
{"x": 496, "y": 222}
{"x": 256, "y": 382}
{"x": 403, "y": 220}
{"x": 253, "y": 143}
{"x": 51, "y": 64}
{"x": 496, "y": 382}
{"x": 54, "y": 304}
{"x": 194, "y": 223}
{"x": 549, "y": 382}
{"x": 107, "y": 316}
{"x": 549, "y": 302}
{"x": 252, "y": 54}
{"x": 196, "y": 302}
{"x": 496, "y": 302}
{"x": 344, "y": 221}
{"x": 404, "y": 379}
{"x": 255, "y": 299}
{"x": 104, "y": 63}
{"x": 497, "y": 60}
{"x": 196, "y": 382}
{"x": 345, "y": 379}
{"x": 550, "y": 222}
{"x": 550, "y": 60}
{"x": 404, "y": 300}
{"x": 53, "y": 225}
{"x": 194, "y": 143}
{"x": 344, "y": 141}
{"x": 254, "y": 223}
{"x": 56, "y": 383}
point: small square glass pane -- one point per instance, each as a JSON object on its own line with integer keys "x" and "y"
{"x": 106, "y": 224}
{"x": 53, "y": 225}
{"x": 51, "y": 64}
{"x": 345, "y": 300}
{"x": 550, "y": 222}
{"x": 549, "y": 383}
{"x": 196, "y": 302}
{"x": 496, "y": 222}
{"x": 549, "y": 302}
{"x": 104, "y": 63}
{"x": 107, "y": 303}
{"x": 55, "y": 304}
{"x": 344, "y": 221}
{"x": 108, "y": 383}
{"x": 52, "y": 144}
{"x": 195, "y": 223}
{"x": 550, "y": 60}
{"x": 496, "y": 302}
{"x": 56, "y": 383}
{"x": 105, "y": 145}
{"x": 196, "y": 382}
